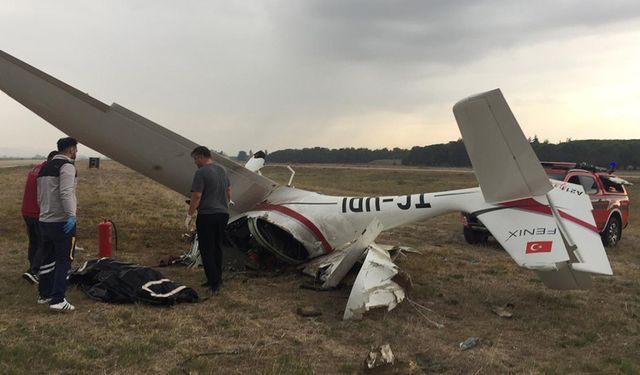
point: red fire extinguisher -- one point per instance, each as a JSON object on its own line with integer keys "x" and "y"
{"x": 106, "y": 230}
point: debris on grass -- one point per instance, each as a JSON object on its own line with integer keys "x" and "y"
{"x": 308, "y": 311}
{"x": 472, "y": 260}
{"x": 377, "y": 357}
{"x": 469, "y": 343}
{"x": 503, "y": 311}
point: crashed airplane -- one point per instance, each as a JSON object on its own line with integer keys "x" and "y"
{"x": 327, "y": 235}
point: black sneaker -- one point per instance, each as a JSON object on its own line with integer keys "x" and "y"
{"x": 32, "y": 278}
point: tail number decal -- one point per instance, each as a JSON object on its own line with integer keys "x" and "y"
{"x": 370, "y": 204}
{"x": 539, "y": 247}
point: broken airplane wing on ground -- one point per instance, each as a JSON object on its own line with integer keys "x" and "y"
{"x": 329, "y": 234}
{"x": 121, "y": 134}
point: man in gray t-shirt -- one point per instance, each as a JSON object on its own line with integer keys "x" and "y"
{"x": 210, "y": 196}
{"x": 211, "y": 181}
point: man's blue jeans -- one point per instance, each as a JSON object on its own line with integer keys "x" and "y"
{"x": 58, "y": 252}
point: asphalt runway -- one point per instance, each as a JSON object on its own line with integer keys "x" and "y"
{"x": 18, "y": 163}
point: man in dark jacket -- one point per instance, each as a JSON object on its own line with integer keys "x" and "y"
{"x": 210, "y": 195}
{"x": 30, "y": 214}
{"x": 58, "y": 203}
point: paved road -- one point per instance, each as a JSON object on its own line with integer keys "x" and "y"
{"x": 18, "y": 163}
{"x": 378, "y": 167}
{"x": 625, "y": 174}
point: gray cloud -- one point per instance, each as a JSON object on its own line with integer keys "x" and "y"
{"x": 389, "y": 55}
{"x": 265, "y": 73}
{"x": 440, "y": 32}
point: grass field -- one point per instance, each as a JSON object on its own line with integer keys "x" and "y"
{"x": 252, "y": 326}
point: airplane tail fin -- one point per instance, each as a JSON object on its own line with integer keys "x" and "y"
{"x": 543, "y": 227}
{"x": 502, "y": 158}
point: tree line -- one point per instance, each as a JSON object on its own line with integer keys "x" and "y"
{"x": 341, "y": 155}
{"x": 625, "y": 153}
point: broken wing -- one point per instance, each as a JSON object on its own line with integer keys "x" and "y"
{"x": 121, "y": 134}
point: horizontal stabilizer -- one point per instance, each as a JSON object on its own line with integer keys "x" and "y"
{"x": 564, "y": 248}
{"x": 575, "y": 210}
{"x": 531, "y": 238}
{"x": 502, "y": 158}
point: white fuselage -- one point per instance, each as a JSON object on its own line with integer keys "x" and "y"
{"x": 323, "y": 223}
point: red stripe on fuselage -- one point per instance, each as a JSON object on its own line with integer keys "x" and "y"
{"x": 530, "y": 204}
{"x": 303, "y": 220}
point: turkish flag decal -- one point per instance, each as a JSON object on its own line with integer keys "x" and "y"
{"x": 539, "y": 247}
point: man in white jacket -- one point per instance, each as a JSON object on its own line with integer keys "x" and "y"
{"x": 57, "y": 201}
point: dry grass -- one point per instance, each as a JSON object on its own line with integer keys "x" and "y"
{"x": 252, "y": 327}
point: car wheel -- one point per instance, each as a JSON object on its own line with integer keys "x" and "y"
{"x": 474, "y": 236}
{"x": 612, "y": 232}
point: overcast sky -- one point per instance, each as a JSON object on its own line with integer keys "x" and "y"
{"x": 334, "y": 73}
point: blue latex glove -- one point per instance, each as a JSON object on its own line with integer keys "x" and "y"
{"x": 70, "y": 224}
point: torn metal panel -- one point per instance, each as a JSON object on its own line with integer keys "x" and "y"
{"x": 374, "y": 286}
{"x": 317, "y": 266}
{"x": 333, "y": 267}
{"x": 396, "y": 251}
{"x": 288, "y": 239}
{"x": 277, "y": 240}
{"x": 398, "y": 248}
